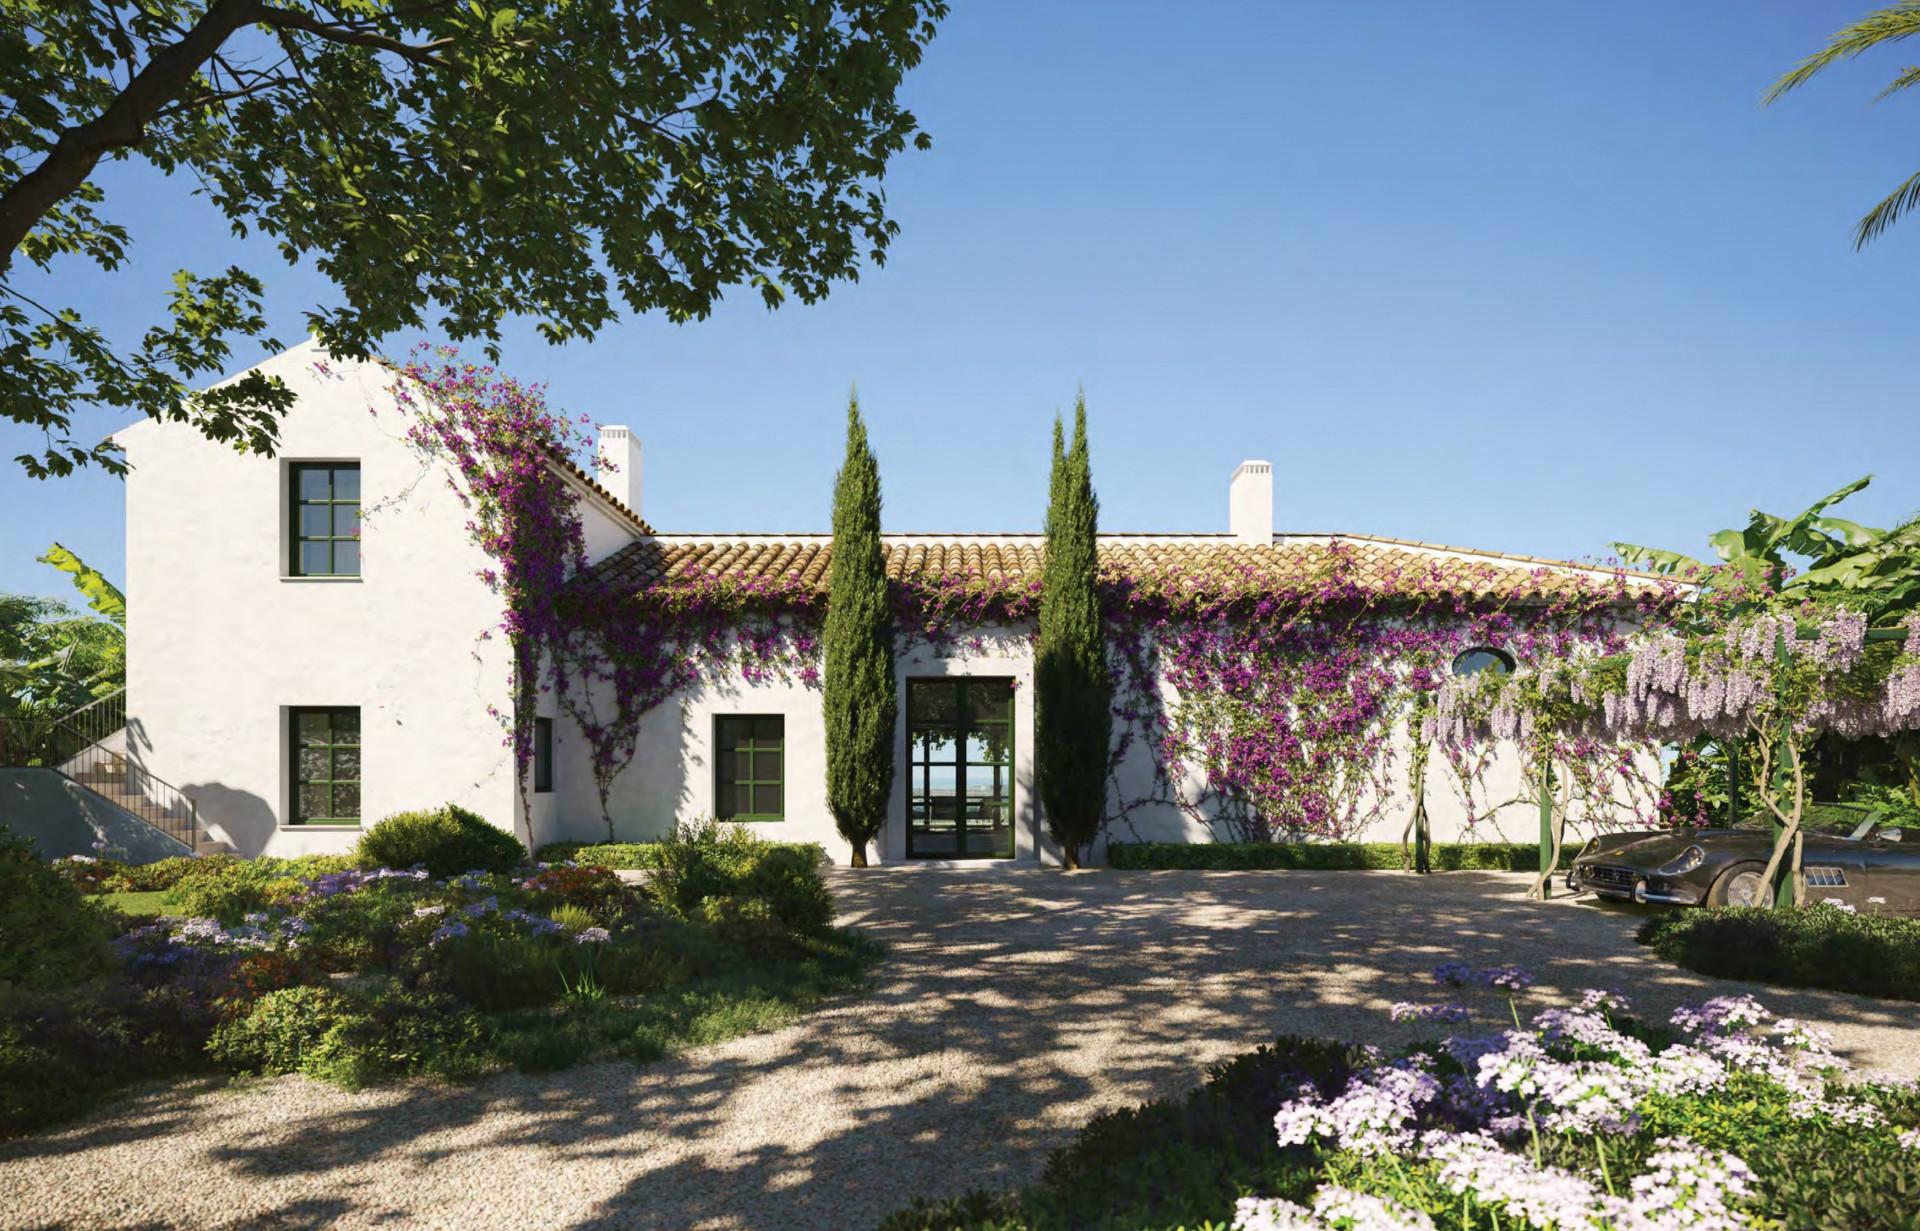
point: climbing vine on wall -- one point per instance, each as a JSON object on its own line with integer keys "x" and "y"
{"x": 1270, "y": 701}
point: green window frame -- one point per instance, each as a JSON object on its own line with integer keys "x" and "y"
{"x": 961, "y": 786}
{"x": 326, "y": 764}
{"x": 323, "y": 524}
{"x": 749, "y": 767}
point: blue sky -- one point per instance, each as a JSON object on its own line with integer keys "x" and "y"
{"x": 1515, "y": 276}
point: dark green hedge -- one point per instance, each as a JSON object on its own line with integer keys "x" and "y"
{"x": 1807, "y": 946}
{"x": 1319, "y": 856}
{"x": 634, "y": 856}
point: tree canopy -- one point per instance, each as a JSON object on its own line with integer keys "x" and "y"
{"x": 440, "y": 158}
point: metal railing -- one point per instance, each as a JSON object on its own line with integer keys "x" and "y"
{"x": 75, "y": 745}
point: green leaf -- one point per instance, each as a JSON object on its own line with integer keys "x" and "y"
{"x": 1653, "y": 559}
{"x": 102, "y": 595}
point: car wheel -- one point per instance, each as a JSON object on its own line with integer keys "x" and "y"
{"x": 1738, "y": 886}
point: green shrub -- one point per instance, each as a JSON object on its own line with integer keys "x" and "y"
{"x": 708, "y": 860}
{"x": 50, "y": 935}
{"x": 1809, "y": 946}
{"x": 643, "y": 856}
{"x": 226, "y": 893}
{"x": 447, "y": 841}
{"x": 353, "y": 1038}
{"x": 63, "y": 1052}
{"x": 1319, "y": 856}
{"x": 748, "y": 923}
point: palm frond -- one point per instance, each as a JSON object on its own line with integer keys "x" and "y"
{"x": 1909, "y": 76}
{"x": 1888, "y": 212}
{"x": 1887, "y": 25}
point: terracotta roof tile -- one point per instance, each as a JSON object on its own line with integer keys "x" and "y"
{"x": 1013, "y": 559}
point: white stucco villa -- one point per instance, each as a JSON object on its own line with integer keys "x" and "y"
{"x": 294, "y": 693}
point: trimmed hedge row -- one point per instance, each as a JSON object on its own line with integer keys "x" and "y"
{"x": 1806, "y": 946}
{"x": 1320, "y": 856}
{"x": 638, "y": 856}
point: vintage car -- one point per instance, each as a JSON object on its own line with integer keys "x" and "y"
{"x": 1852, "y": 855}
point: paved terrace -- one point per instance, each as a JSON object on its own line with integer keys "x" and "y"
{"x": 1014, "y": 1005}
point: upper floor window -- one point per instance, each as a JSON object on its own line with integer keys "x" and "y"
{"x": 326, "y": 519}
{"x": 1483, "y": 658}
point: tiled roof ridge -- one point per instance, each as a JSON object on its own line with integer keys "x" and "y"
{"x": 1280, "y": 539}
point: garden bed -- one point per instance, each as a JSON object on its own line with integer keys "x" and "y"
{"x": 1823, "y": 946}
{"x": 638, "y": 856}
{"x": 360, "y": 975}
{"x": 1584, "y": 1118}
{"x": 1320, "y": 856}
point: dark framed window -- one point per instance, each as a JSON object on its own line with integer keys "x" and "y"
{"x": 542, "y": 755}
{"x": 326, "y": 765}
{"x": 750, "y": 767}
{"x": 325, "y": 521}
{"x": 1482, "y": 658}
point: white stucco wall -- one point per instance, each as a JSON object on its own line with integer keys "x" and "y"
{"x": 221, "y": 640}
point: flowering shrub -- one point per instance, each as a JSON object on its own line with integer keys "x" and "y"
{"x": 1839, "y": 947}
{"x": 356, "y": 974}
{"x": 1579, "y": 1119}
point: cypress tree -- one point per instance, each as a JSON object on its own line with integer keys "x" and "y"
{"x": 857, "y": 682}
{"x": 1073, "y": 692}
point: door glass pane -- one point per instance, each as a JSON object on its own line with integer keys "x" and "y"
{"x": 938, "y": 745}
{"x": 346, "y": 483}
{"x": 933, "y": 701}
{"x": 989, "y": 700}
{"x": 942, "y": 780}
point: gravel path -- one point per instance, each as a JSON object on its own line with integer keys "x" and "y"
{"x": 1014, "y": 1005}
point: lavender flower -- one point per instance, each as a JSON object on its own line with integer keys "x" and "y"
{"x": 591, "y": 936}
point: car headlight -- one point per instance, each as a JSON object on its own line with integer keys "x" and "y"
{"x": 1685, "y": 861}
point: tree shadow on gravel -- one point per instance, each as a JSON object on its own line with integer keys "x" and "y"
{"x": 1012, "y": 1007}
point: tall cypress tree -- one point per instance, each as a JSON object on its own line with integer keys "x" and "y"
{"x": 857, "y": 683}
{"x": 1073, "y": 693}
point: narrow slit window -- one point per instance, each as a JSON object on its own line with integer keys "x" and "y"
{"x": 542, "y": 756}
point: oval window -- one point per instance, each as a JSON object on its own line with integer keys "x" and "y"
{"x": 1482, "y": 658}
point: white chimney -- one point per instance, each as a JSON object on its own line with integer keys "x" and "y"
{"x": 618, "y": 468}
{"x": 1250, "y": 503}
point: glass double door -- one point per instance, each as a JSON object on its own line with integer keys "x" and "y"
{"x": 960, "y": 768}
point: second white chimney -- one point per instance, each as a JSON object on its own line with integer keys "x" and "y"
{"x": 1250, "y": 503}
{"x": 618, "y": 466}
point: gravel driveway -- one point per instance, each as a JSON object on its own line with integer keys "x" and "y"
{"x": 1014, "y": 1004}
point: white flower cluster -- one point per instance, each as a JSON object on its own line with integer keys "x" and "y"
{"x": 1334, "y": 1209}
{"x": 1573, "y": 1072}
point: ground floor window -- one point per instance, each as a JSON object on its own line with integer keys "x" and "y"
{"x": 750, "y": 767}
{"x": 326, "y": 765}
{"x": 960, "y": 768}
